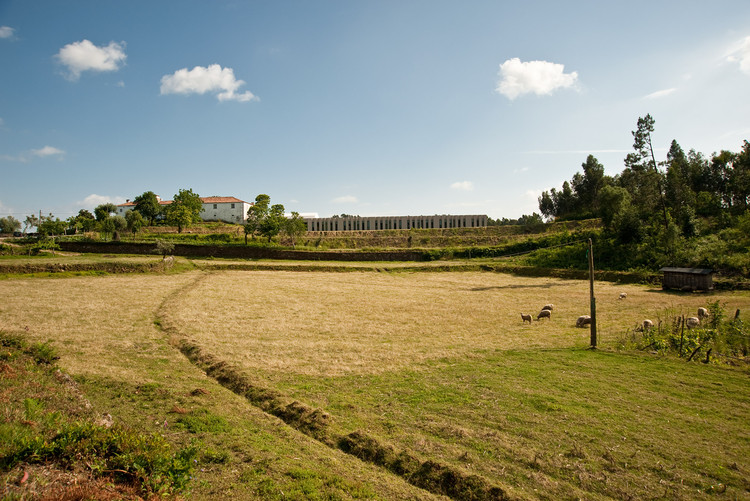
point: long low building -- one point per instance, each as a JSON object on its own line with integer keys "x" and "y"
{"x": 358, "y": 223}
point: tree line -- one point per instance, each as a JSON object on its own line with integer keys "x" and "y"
{"x": 263, "y": 219}
{"x": 664, "y": 203}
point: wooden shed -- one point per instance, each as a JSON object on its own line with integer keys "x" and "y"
{"x": 688, "y": 279}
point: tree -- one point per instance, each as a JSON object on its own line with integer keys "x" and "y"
{"x": 180, "y": 216}
{"x": 643, "y": 162}
{"x": 184, "y": 210}
{"x": 84, "y": 221}
{"x": 135, "y": 221}
{"x": 51, "y": 226}
{"x": 273, "y": 222}
{"x": 30, "y": 222}
{"x": 9, "y": 224}
{"x": 148, "y": 205}
{"x": 103, "y": 211}
{"x": 739, "y": 180}
{"x": 256, "y": 214}
{"x": 587, "y": 186}
{"x": 120, "y": 224}
{"x": 295, "y": 227}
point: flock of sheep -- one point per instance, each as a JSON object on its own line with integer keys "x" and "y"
{"x": 585, "y": 320}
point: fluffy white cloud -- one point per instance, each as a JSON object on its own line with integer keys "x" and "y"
{"x": 741, "y": 54}
{"x": 211, "y": 79}
{"x": 6, "y": 31}
{"x": 463, "y": 186}
{"x": 85, "y": 56}
{"x": 660, "y": 93}
{"x": 47, "y": 151}
{"x": 95, "y": 200}
{"x": 346, "y": 199}
{"x": 532, "y": 77}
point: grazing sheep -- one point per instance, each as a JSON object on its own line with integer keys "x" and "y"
{"x": 623, "y": 295}
{"x": 548, "y": 307}
{"x": 544, "y": 314}
{"x": 692, "y": 322}
{"x": 647, "y": 324}
{"x": 583, "y": 321}
{"x": 525, "y": 318}
{"x": 702, "y": 313}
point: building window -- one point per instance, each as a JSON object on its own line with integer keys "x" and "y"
{"x": 214, "y": 206}
{"x": 232, "y": 206}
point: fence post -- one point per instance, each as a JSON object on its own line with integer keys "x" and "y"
{"x": 593, "y": 299}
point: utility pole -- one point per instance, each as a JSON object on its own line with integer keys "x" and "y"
{"x": 593, "y": 299}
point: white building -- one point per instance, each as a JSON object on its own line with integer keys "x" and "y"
{"x": 227, "y": 209}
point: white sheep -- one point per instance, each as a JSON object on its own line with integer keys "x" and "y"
{"x": 525, "y": 318}
{"x": 647, "y": 324}
{"x": 549, "y": 307}
{"x": 583, "y": 321}
{"x": 702, "y": 313}
{"x": 623, "y": 295}
{"x": 692, "y": 322}
{"x": 544, "y": 314}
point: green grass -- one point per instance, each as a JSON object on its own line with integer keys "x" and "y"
{"x": 46, "y": 422}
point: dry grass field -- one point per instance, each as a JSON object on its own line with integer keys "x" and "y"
{"x": 437, "y": 366}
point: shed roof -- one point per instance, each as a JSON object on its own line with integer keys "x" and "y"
{"x": 691, "y": 271}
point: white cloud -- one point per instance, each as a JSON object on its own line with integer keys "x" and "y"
{"x": 26, "y": 156}
{"x": 741, "y": 54}
{"x": 346, "y": 199}
{"x": 95, "y": 200}
{"x": 660, "y": 93}
{"x": 85, "y": 56}
{"x": 463, "y": 186}
{"x": 47, "y": 151}
{"x": 202, "y": 80}
{"x": 535, "y": 77}
{"x": 6, "y": 31}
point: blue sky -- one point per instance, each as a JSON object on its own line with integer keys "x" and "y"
{"x": 387, "y": 107}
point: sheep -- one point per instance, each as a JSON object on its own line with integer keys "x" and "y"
{"x": 623, "y": 295}
{"x": 548, "y": 307}
{"x": 583, "y": 321}
{"x": 544, "y": 314}
{"x": 692, "y": 322}
{"x": 702, "y": 313}
{"x": 525, "y": 318}
{"x": 647, "y": 324}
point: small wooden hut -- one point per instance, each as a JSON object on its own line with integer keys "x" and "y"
{"x": 687, "y": 279}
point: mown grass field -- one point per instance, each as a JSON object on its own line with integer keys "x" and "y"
{"x": 437, "y": 367}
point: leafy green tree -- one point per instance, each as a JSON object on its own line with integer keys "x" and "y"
{"x": 273, "y": 222}
{"x": 30, "y": 222}
{"x": 295, "y": 227}
{"x": 148, "y": 205}
{"x": 184, "y": 210}
{"x": 256, "y": 214}
{"x": 9, "y": 224}
{"x": 120, "y": 225}
{"x": 104, "y": 211}
{"x": 642, "y": 176}
{"x": 51, "y": 226}
{"x": 180, "y": 216}
{"x": 739, "y": 180}
{"x": 84, "y": 221}
{"x": 586, "y": 186}
{"x": 135, "y": 221}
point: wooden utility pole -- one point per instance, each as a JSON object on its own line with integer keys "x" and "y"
{"x": 593, "y": 299}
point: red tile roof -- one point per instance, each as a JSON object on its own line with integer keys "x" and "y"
{"x": 205, "y": 200}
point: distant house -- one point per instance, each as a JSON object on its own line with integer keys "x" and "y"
{"x": 227, "y": 209}
{"x": 687, "y": 279}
